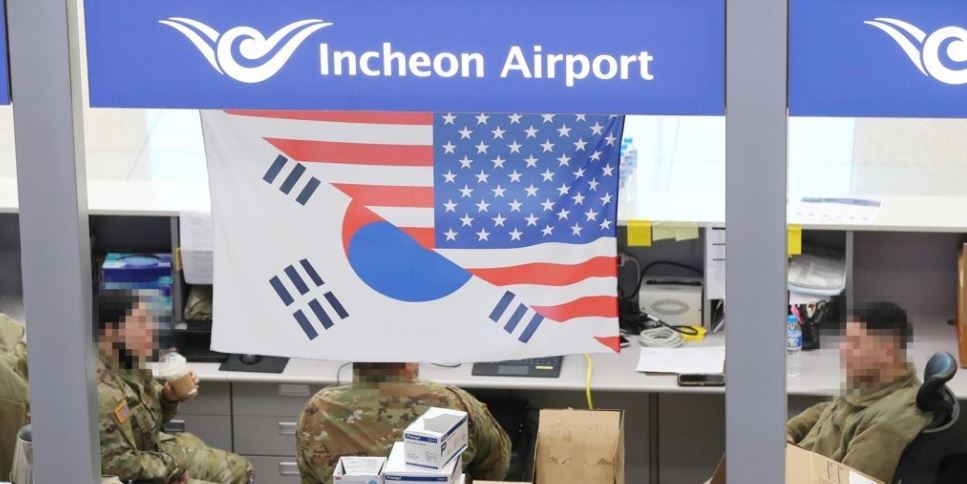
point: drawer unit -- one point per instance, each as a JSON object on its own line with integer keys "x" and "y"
{"x": 214, "y": 398}
{"x": 275, "y": 470}
{"x": 215, "y": 430}
{"x": 271, "y": 398}
{"x": 265, "y": 435}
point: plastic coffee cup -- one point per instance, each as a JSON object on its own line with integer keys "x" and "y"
{"x": 174, "y": 369}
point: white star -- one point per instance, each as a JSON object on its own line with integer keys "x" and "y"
{"x": 499, "y": 191}
{"x": 564, "y": 160}
{"x": 515, "y": 234}
{"x": 580, "y": 144}
{"x": 514, "y": 118}
{"x": 531, "y": 132}
{"x": 608, "y": 170}
{"x": 483, "y": 235}
{"x": 482, "y": 206}
{"x": 564, "y": 131}
{"x": 576, "y": 229}
{"x": 482, "y": 148}
{"x": 465, "y": 191}
{"x": 448, "y": 118}
{"x": 579, "y": 173}
{"x": 578, "y": 199}
{"x": 482, "y": 118}
{"x": 531, "y": 190}
{"x": 449, "y": 176}
{"x": 465, "y": 162}
{"x": 499, "y": 220}
{"x": 515, "y": 147}
{"x": 531, "y": 220}
{"x": 498, "y": 162}
{"x": 548, "y": 175}
{"x": 548, "y": 205}
{"x": 548, "y": 118}
{"x": 594, "y": 184}
{"x": 605, "y": 224}
{"x": 482, "y": 177}
{"x": 582, "y": 117}
{"x": 596, "y": 129}
{"x": 498, "y": 133}
{"x": 548, "y": 230}
{"x": 449, "y": 147}
{"x": 610, "y": 139}
{"x": 450, "y": 206}
{"x": 531, "y": 161}
{"x": 466, "y": 220}
{"x": 562, "y": 215}
{"x": 591, "y": 215}
{"x": 548, "y": 146}
{"x": 515, "y": 176}
{"x": 465, "y": 133}
{"x": 596, "y": 156}
{"x": 606, "y": 199}
{"x": 563, "y": 189}
{"x": 515, "y": 206}
{"x": 451, "y": 235}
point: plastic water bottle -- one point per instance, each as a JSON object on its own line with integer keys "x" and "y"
{"x": 793, "y": 347}
{"x": 629, "y": 159}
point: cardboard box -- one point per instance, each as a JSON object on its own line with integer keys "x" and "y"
{"x": 962, "y": 304}
{"x": 359, "y": 470}
{"x": 436, "y": 438}
{"x": 397, "y": 470}
{"x": 805, "y": 467}
{"x": 580, "y": 447}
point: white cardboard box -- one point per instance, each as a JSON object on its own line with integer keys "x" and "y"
{"x": 397, "y": 470}
{"x": 359, "y": 470}
{"x": 436, "y": 438}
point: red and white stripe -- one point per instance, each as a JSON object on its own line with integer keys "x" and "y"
{"x": 384, "y": 162}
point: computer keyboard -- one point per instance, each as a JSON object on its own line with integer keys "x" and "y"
{"x": 531, "y": 367}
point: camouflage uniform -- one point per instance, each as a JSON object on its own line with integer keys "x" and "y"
{"x": 367, "y": 418}
{"x": 14, "y": 395}
{"x": 131, "y": 412}
{"x": 13, "y": 350}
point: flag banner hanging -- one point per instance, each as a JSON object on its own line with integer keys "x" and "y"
{"x": 413, "y": 237}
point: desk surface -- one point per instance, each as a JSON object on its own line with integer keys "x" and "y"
{"x": 821, "y": 371}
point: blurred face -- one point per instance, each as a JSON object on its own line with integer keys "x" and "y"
{"x": 867, "y": 353}
{"x": 137, "y": 332}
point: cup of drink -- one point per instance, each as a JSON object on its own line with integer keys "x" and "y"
{"x": 174, "y": 369}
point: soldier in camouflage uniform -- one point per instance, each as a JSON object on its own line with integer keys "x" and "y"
{"x": 14, "y": 395}
{"x": 368, "y": 416}
{"x": 132, "y": 407}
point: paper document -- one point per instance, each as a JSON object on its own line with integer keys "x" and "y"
{"x": 684, "y": 360}
{"x": 197, "y": 232}
{"x": 834, "y": 210}
{"x": 197, "y": 247}
{"x": 715, "y": 263}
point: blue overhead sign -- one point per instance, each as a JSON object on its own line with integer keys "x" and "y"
{"x": 4, "y": 58}
{"x": 594, "y": 56}
{"x": 890, "y": 58}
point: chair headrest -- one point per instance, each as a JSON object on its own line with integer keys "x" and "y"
{"x": 933, "y": 396}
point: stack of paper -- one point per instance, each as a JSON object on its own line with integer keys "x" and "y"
{"x": 197, "y": 247}
{"x": 683, "y": 360}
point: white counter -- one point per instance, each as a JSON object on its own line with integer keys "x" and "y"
{"x": 821, "y": 374}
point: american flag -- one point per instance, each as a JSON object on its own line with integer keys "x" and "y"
{"x": 526, "y": 202}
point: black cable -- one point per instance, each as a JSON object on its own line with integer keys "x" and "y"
{"x": 441, "y": 365}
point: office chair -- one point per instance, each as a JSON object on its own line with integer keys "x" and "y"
{"x": 934, "y": 397}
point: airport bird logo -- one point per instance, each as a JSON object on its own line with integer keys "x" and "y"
{"x": 932, "y": 54}
{"x": 261, "y": 57}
